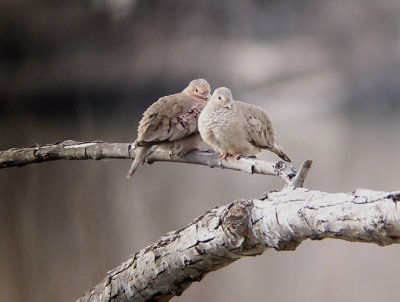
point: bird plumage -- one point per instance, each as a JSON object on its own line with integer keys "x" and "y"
{"x": 236, "y": 128}
{"x": 171, "y": 123}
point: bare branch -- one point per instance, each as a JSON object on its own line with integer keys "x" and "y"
{"x": 298, "y": 180}
{"x": 71, "y": 150}
{"x": 247, "y": 228}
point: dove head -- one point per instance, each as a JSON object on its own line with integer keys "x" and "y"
{"x": 199, "y": 88}
{"x": 223, "y": 96}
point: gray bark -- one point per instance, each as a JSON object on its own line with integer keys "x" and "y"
{"x": 71, "y": 150}
{"x": 281, "y": 220}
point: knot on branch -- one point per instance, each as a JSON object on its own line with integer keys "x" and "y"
{"x": 237, "y": 227}
{"x": 236, "y": 222}
{"x": 395, "y": 197}
{"x": 284, "y": 170}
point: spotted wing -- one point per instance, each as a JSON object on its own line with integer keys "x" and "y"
{"x": 169, "y": 119}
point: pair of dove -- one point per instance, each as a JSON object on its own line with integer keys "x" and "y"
{"x": 178, "y": 123}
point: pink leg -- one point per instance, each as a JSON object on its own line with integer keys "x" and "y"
{"x": 224, "y": 155}
{"x": 237, "y": 156}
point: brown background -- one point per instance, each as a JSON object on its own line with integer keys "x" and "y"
{"x": 327, "y": 72}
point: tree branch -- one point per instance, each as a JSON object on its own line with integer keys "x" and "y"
{"x": 71, "y": 150}
{"x": 282, "y": 220}
{"x": 298, "y": 180}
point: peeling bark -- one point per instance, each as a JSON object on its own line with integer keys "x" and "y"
{"x": 71, "y": 150}
{"x": 281, "y": 220}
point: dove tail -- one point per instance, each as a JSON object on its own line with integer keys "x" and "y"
{"x": 141, "y": 154}
{"x": 283, "y": 156}
{"x": 278, "y": 151}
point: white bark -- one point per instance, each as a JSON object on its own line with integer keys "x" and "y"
{"x": 247, "y": 228}
{"x": 71, "y": 150}
{"x": 281, "y": 220}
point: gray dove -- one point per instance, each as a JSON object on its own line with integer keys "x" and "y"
{"x": 235, "y": 128}
{"x": 170, "y": 123}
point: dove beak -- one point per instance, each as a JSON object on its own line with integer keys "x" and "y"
{"x": 229, "y": 106}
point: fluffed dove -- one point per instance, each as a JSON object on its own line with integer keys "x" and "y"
{"x": 235, "y": 128}
{"x": 171, "y": 123}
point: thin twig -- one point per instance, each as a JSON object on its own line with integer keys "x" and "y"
{"x": 298, "y": 180}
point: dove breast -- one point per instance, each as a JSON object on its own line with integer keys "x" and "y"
{"x": 237, "y": 128}
{"x": 224, "y": 129}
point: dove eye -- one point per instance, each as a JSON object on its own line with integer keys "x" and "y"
{"x": 197, "y": 90}
{"x": 219, "y": 98}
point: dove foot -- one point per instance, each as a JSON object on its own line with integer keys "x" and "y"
{"x": 237, "y": 156}
{"x": 224, "y": 155}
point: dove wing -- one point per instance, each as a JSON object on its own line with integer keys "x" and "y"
{"x": 258, "y": 126}
{"x": 169, "y": 119}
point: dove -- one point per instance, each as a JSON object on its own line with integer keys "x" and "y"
{"x": 234, "y": 128}
{"x": 170, "y": 124}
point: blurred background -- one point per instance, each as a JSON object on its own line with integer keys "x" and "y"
{"x": 327, "y": 72}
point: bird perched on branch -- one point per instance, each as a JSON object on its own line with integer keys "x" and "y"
{"x": 170, "y": 124}
{"x": 235, "y": 128}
